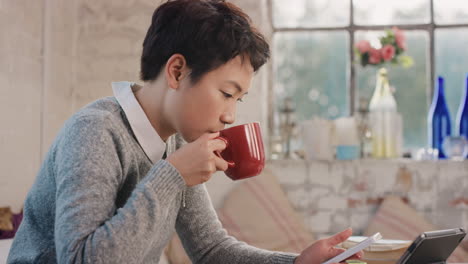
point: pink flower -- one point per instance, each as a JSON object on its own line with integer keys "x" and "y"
{"x": 374, "y": 56}
{"x": 388, "y": 51}
{"x": 363, "y": 46}
{"x": 399, "y": 38}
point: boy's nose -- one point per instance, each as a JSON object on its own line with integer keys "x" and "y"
{"x": 228, "y": 118}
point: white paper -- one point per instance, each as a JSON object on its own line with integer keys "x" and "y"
{"x": 355, "y": 249}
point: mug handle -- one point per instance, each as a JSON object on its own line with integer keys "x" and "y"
{"x": 231, "y": 164}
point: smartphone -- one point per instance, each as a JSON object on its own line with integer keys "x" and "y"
{"x": 433, "y": 247}
{"x": 355, "y": 249}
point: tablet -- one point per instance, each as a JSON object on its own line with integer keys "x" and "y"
{"x": 355, "y": 249}
{"x": 433, "y": 247}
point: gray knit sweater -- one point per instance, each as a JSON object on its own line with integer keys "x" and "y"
{"x": 99, "y": 199}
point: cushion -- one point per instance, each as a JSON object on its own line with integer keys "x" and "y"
{"x": 397, "y": 220}
{"x": 257, "y": 212}
{"x": 14, "y": 220}
{"x": 6, "y": 219}
{"x": 175, "y": 252}
{"x": 163, "y": 259}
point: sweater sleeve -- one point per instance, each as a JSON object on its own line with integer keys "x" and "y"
{"x": 88, "y": 172}
{"x": 206, "y": 241}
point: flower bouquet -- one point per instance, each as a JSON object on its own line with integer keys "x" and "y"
{"x": 391, "y": 49}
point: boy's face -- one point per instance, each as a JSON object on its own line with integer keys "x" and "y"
{"x": 211, "y": 103}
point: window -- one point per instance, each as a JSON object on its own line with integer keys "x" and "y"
{"x": 313, "y": 42}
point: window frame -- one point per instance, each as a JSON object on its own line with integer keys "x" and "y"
{"x": 351, "y": 70}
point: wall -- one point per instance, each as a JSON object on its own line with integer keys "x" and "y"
{"x": 332, "y": 196}
{"x": 88, "y": 45}
{"x": 59, "y": 55}
{"x": 21, "y": 93}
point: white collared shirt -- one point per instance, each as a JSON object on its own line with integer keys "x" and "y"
{"x": 149, "y": 139}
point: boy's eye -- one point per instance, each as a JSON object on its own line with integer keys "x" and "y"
{"x": 227, "y": 95}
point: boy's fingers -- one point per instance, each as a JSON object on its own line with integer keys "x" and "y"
{"x": 335, "y": 252}
{"x": 218, "y": 144}
{"x": 221, "y": 164}
{"x": 208, "y": 136}
{"x": 211, "y": 135}
{"x": 340, "y": 237}
{"x": 357, "y": 255}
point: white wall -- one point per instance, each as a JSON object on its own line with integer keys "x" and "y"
{"x": 59, "y": 55}
{"x": 21, "y": 78}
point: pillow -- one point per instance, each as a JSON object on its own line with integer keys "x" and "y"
{"x": 257, "y": 212}
{"x": 6, "y": 218}
{"x": 175, "y": 252}
{"x": 163, "y": 259}
{"x": 397, "y": 220}
{"x": 10, "y": 218}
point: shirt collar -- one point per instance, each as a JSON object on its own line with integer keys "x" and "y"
{"x": 146, "y": 135}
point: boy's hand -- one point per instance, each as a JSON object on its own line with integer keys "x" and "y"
{"x": 197, "y": 161}
{"x": 325, "y": 249}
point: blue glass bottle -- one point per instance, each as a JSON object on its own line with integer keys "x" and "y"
{"x": 462, "y": 116}
{"x": 438, "y": 119}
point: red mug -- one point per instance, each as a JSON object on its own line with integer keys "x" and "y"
{"x": 244, "y": 152}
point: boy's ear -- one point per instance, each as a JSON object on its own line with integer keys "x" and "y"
{"x": 176, "y": 70}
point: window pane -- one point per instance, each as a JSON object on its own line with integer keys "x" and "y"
{"x": 451, "y": 62}
{"x": 311, "y": 68}
{"x": 372, "y": 12}
{"x": 451, "y": 11}
{"x": 307, "y": 13}
{"x": 410, "y": 85}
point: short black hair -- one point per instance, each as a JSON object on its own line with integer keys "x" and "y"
{"x": 208, "y": 33}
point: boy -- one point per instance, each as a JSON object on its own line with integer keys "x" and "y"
{"x": 117, "y": 182}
